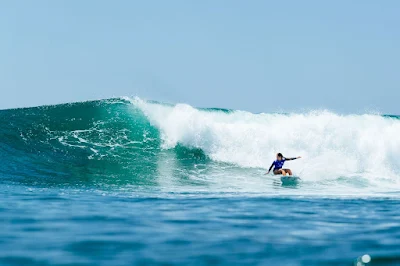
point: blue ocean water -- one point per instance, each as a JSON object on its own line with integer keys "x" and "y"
{"x": 133, "y": 182}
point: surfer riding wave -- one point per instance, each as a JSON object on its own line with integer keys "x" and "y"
{"x": 278, "y": 164}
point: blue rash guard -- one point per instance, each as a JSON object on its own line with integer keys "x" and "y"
{"x": 278, "y": 164}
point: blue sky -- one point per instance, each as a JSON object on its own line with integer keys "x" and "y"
{"x": 261, "y": 56}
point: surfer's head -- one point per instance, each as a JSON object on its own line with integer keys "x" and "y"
{"x": 279, "y": 156}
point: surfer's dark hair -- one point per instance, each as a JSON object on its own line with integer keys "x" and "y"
{"x": 280, "y": 154}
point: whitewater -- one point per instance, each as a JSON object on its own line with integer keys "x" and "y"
{"x": 353, "y": 151}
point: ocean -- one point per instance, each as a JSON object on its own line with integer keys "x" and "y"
{"x": 127, "y": 181}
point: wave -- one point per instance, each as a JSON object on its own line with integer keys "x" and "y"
{"x": 123, "y": 142}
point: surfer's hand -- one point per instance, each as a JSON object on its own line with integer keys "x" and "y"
{"x": 298, "y": 157}
{"x": 267, "y": 173}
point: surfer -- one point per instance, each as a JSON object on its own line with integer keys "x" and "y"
{"x": 278, "y": 164}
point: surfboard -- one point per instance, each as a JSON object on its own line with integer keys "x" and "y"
{"x": 290, "y": 179}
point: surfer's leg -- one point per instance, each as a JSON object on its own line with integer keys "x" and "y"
{"x": 284, "y": 171}
{"x": 277, "y": 171}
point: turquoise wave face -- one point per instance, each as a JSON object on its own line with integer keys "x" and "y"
{"x": 125, "y": 143}
{"x": 100, "y": 142}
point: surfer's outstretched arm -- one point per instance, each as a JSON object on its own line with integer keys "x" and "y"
{"x": 269, "y": 170}
{"x": 294, "y": 158}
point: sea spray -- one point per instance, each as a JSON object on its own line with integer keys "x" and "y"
{"x": 333, "y": 146}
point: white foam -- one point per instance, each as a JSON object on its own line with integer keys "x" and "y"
{"x": 332, "y": 145}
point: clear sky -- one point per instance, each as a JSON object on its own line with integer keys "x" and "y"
{"x": 261, "y": 56}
